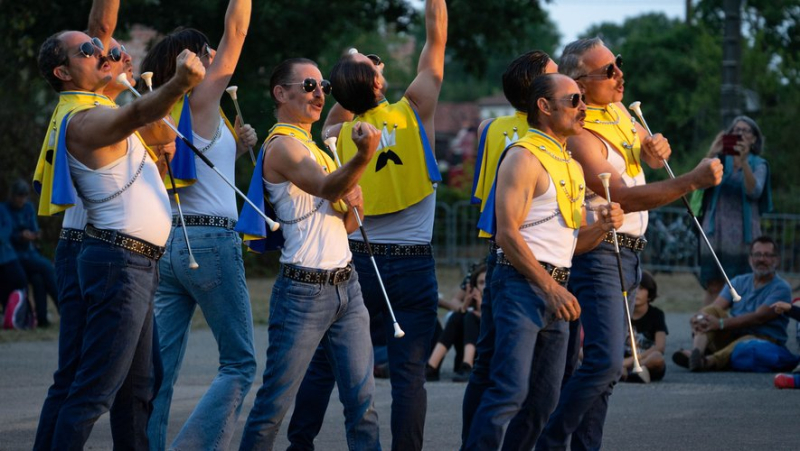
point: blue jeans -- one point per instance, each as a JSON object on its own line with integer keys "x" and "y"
{"x": 39, "y": 271}
{"x": 303, "y": 316}
{"x": 584, "y": 399}
{"x": 70, "y": 339}
{"x": 528, "y": 361}
{"x": 116, "y": 358}
{"x": 218, "y": 287}
{"x": 413, "y": 291}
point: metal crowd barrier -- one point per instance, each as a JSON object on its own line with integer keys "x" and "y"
{"x": 672, "y": 240}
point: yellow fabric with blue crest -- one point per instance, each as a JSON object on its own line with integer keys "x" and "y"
{"x": 403, "y": 169}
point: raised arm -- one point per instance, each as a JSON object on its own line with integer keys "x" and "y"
{"x": 205, "y": 98}
{"x": 98, "y": 128}
{"x": 103, "y": 20}
{"x": 423, "y": 93}
{"x": 590, "y": 152}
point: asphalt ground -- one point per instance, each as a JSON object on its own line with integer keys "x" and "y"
{"x": 685, "y": 411}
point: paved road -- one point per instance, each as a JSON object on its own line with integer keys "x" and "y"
{"x": 686, "y": 411}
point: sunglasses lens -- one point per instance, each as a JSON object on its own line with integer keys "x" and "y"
{"x": 309, "y": 85}
{"x": 115, "y": 54}
{"x": 87, "y": 49}
{"x": 376, "y": 60}
{"x": 326, "y": 86}
{"x": 618, "y": 61}
{"x": 98, "y": 43}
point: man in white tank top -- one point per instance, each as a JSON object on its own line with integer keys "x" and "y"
{"x": 537, "y": 201}
{"x": 612, "y": 146}
{"x": 128, "y": 215}
{"x": 73, "y": 309}
{"x": 316, "y": 299}
{"x": 400, "y": 234}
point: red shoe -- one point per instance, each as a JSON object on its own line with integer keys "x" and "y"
{"x": 787, "y": 381}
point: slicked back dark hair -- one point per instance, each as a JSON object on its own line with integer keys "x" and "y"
{"x": 160, "y": 59}
{"x": 541, "y": 86}
{"x": 282, "y": 74}
{"x": 352, "y": 83}
{"x": 519, "y": 74}
{"x": 52, "y": 54}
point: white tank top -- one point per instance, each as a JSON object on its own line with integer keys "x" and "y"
{"x": 75, "y": 217}
{"x": 546, "y": 232}
{"x": 635, "y": 223}
{"x": 314, "y": 232}
{"x": 414, "y": 225}
{"x": 210, "y": 195}
{"x": 127, "y": 195}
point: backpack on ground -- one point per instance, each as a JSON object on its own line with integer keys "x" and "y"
{"x": 20, "y": 313}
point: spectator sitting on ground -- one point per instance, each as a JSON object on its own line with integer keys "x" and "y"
{"x": 723, "y": 324}
{"x": 464, "y": 322}
{"x": 25, "y": 233}
{"x": 651, "y": 335}
{"x": 791, "y": 380}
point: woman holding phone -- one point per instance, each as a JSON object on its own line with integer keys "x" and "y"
{"x": 732, "y": 210}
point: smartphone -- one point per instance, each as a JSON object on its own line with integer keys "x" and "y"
{"x": 728, "y": 141}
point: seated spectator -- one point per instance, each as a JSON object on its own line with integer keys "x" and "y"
{"x": 12, "y": 276}
{"x": 38, "y": 269}
{"x": 791, "y": 380}
{"x": 651, "y": 335}
{"x": 723, "y": 324}
{"x": 463, "y": 322}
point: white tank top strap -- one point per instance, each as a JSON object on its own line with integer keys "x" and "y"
{"x": 635, "y": 223}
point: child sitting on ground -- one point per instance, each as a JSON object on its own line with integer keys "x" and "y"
{"x": 462, "y": 322}
{"x": 651, "y": 335}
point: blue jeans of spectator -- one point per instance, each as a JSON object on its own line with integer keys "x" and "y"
{"x": 116, "y": 357}
{"x": 218, "y": 286}
{"x": 12, "y": 277}
{"x": 527, "y": 366}
{"x": 582, "y": 408}
{"x": 303, "y": 316}
{"x": 42, "y": 276}
{"x": 413, "y": 291}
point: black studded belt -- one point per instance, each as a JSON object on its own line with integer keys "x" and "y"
{"x": 67, "y": 234}
{"x": 559, "y": 274}
{"x": 392, "y": 250}
{"x": 493, "y": 247}
{"x": 125, "y": 241}
{"x": 332, "y": 276}
{"x": 635, "y": 243}
{"x": 203, "y": 220}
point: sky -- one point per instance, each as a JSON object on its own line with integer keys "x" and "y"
{"x": 575, "y": 16}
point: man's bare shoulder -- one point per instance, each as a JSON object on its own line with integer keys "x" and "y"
{"x": 585, "y": 145}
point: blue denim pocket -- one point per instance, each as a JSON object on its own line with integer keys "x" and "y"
{"x": 209, "y": 275}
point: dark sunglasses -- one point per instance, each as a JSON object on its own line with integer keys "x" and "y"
{"x": 606, "y": 72}
{"x": 115, "y": 54}
{"x": 376, "y": 60}
{"x": 87, "y": 49}
{"x": 206, "y": 51}
{"x": 574, "y": 99}
{"x": 310, "y": 85}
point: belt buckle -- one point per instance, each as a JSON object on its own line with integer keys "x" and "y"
{"x": 639, "y": 244}
{"x": 340, "y": 275}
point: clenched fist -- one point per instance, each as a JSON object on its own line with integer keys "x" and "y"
{"x": 366, "y": 138}
{"x": 610, "y": 217}
{"x": 708, "y": 173}
{"x": 189, "y": 69}
{"x": 656, "y": 146}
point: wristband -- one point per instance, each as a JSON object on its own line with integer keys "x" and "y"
{"x": 721, "y": 324}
